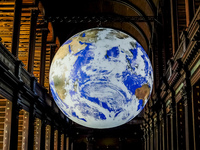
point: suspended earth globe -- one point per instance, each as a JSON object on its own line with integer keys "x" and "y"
{"x": 101, "y": 78}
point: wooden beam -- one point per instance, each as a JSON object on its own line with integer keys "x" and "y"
{"x": 190, "y": 11}
{"x": 52, "y": 53}
{"x": 34, "y": 15}
{"x": 174, "y": 25}
{"x": 16, "y": 27}
{"x": 43, "y": 55}
{"x": 14, "y": 120}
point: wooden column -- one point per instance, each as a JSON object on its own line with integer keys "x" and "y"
{"x": 47, "y": 137}
{"x": 43, "y": 129}
{"x": 52, "y": 136}
{"x": 168, "y": 130}
{"x": 173, "y": 135}
{"x": 16, "y": 27}
{"x": 162, "y": 145}
{"x": 43, "y": 55}
{"x": 156, "y": 132}
{"x": 72, "y": 145}
{"x": 122, "y": 144}
{"x": 14, "y": 124}
{"x": 151, "y": 135}
{"x": 181, "y": 143}
{"x": 160, "y": 131}
{"x": 174, "y": 25}
{"x": 52, "y": 53}
{"x": 177, "y": 125}
{"x": 31, "y": 127}
{"x": 188, "y": 126}
{"x": 34, "y": 15}
{"x": 196, "y": 114}
{"x": 59, "y": 139}
{"x": 15, "y": 110}
{"x": 65, "y": 141}
{"x": 162, "y": 135}
{"x": 190, "y": 11}
{"x": 164, "y": 127}
{"x": 187, "y": 102}
{"x": 32, "y": 110}
{"x": 145, "y": 140}
{"x": 148, "y": 139}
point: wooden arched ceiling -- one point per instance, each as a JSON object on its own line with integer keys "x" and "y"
{"x": 141, "y": 31}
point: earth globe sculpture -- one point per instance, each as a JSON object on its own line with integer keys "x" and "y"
{"x": 101, "y": 78}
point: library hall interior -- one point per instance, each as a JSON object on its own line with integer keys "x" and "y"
{"x": 100, "y": 75}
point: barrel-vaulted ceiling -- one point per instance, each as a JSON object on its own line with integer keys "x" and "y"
{"x": 140, "y": 30}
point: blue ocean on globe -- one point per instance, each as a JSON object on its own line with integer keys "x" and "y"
{"x": 101, "y": 78}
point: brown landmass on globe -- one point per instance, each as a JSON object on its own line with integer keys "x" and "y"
{"x": 64, "y": 50}
{"x": 59, "y": 86}
{"x": 75, "y": 44}
{"x": 61, "y": 53}
{"x": 143, "y": 92}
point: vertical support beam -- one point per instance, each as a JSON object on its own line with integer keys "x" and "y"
{"x": 177, "y": 125}
{"x": 168, "y": 128}
{"x": 174, "y": 25}
{"x": 173, "y": 131}
{"x": 159, "y": 132}
{"x": 16, "y": 27}
{"x": 14, "y": 124}
{"x": 59, "y": 139}
{"x": 165, "y": 127}
{"x": 186, "y": 125}
{"x": 196, "y": 114}
{"x": 67, "y": 143}
{"x": 162, "y": 147}
{"x": 190, "y": 11}
{"x": 31, "y": 126}
{"x": 173, "y": 123}
{"x": 144, "y": 138}
{"x": 52, "y": 136}
{"x": 34, "y": 15}
{"x": 186, "y": 96}
{"x": 148, "y": 140}
{"x": 155, "y": 135}
{"x": 43, "y": 55}
{"x": 15, "y": 110}
{"x": 188, "y": 133}
{"x": 122, "y": 144}
{"x": 152, "y": 133}
{"x": 52, "y": 53}
{"x": 43, "y": 129}
{"x": 72, "y": 146}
